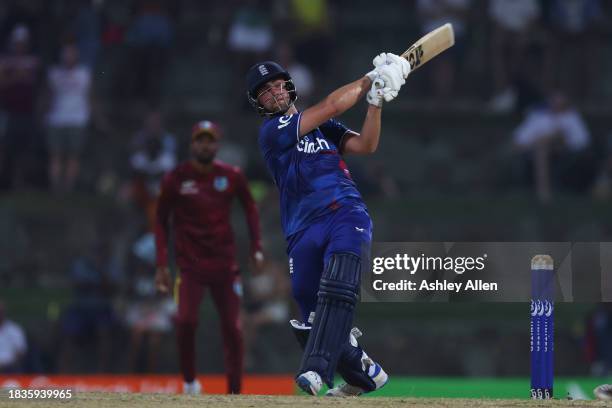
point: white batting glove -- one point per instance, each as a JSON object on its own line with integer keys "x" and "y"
{"x": 380, "y": 60}
{"x": 387, "y": 58}
{"x": 388, "y": 94}
{"x": 373, "y": 75}
{"x": 389, "y": 74}
{"x": 375, "y": 94}
{"x": 401, "y": 61}
{"x": 392, "y": 75}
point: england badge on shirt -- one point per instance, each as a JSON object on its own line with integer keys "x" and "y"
{"x": 220, "y": 183}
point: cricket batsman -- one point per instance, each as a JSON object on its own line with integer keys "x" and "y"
{"x": 198, "y": 195}
{"x": 324, "y": 219}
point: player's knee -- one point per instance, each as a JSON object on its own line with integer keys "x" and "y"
{"x": 337, "y": 290}
{"x": 340, "y": 280}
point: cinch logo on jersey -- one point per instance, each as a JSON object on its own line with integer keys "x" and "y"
{"x": 306, "y": 145}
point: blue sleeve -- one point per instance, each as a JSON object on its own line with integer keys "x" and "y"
{"x": 334, "y": 131}
{"x": 279, "y": 134}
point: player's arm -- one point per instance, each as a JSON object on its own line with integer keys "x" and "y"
{"x": 162, "y": 232}
{"x": 383, "y": 83}
{"x": 367, "y": 141}
{"x": 252, "y": 217}
{"x": 392, "y": 71}
{"x": 334, "y": 104}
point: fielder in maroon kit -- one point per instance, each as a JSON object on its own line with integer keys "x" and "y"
{"x": 198, "y": 195}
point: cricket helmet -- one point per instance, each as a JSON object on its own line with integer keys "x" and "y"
{"x": 261, "y": 73}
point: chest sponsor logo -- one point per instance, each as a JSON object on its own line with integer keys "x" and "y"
{"x": 188, "y": 187}
{"x": 309, "y": 146}
{"x": 221, "y": 183}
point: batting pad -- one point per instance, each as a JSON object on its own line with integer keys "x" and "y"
{"x": 338, "y": 292}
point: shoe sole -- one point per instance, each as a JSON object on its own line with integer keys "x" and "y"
{"x": 331, "y": 394}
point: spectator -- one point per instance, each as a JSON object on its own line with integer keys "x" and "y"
{"x": 603, "y": 185}
{"x": 314, "y": 39}
{"x": 154, "y": 154}
{"x": 250, "y": 38}
{"x": 557, "y": 140}
{"x": 19, "y": 86}
{"x": 13, "y": 344}
{"x": 300, "y": 73}
{"x": 268, "y": 304}
{"x": 149, "y": 39}
{"x": 87, "y": 29}
{"x": 514, "y": 30}
{"x": 575, "y": 25}
{"x": 250, "y": 31}
{"x": 433, "y": 14}
{"x": 148, "y": 317}
{"x": 89, "y": 320}
{"x": 69, "y": 86}
{"x": 29, "y": 13}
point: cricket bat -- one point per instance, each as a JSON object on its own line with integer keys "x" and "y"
{"x": 427, "y": 47}
{"x": 430, "y": 45}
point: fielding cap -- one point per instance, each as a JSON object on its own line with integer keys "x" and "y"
{"x": 206, "y": 127}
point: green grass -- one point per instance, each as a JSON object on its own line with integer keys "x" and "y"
{"x": 433, "y": 387}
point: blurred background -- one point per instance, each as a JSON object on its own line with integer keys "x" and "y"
{"x": 506, "y": 137}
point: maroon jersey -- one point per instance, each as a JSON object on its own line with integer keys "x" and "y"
{"x": 200, "y": 206}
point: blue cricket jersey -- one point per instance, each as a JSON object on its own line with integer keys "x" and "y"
{"x": 309, "y": 172}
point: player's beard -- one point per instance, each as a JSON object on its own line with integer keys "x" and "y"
{"x": 281, "y": 104}
{"x": 205, "y": 159}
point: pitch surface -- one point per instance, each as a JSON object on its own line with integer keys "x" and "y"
{"x": 108, "y": 400}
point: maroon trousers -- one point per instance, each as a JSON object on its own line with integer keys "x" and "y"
{"x": 188, "y": 292}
